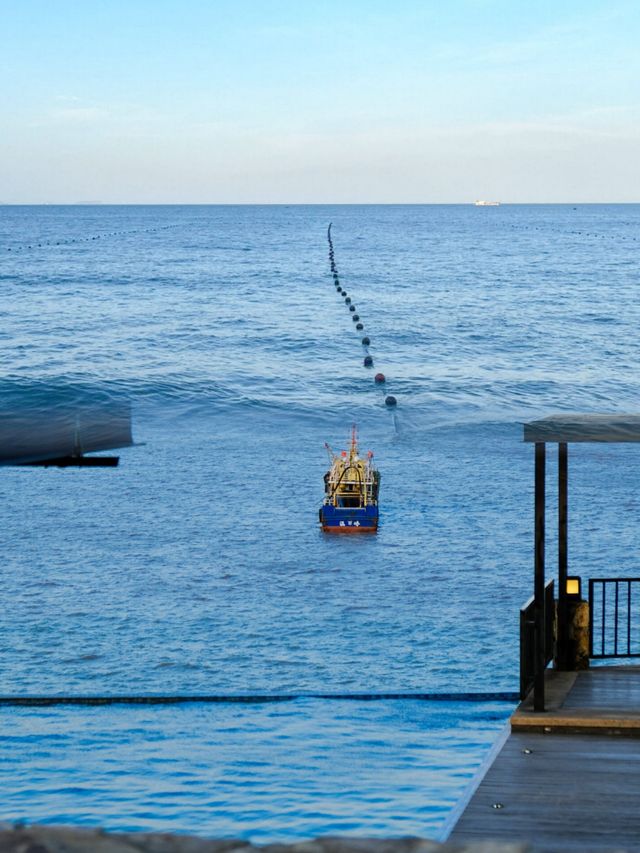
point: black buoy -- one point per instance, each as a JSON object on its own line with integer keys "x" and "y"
{"x": 355, "y": 318}
{"x": 359, "y": 327}
{"x": 379, "y": 378}
{"x": 340, "y": 290}
{"x": 368, "y": 361}
{"x": 348, "y": 300}
{"x": 390, "y": 400}
{"x": 366, "y": 342}
{"x": 352, "y": 307}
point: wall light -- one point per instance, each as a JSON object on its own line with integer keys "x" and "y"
{"x": 573, "y": 588}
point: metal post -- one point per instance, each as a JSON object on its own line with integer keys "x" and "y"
{"x": 563, "y": 627}
{"x": 539, "y": 651}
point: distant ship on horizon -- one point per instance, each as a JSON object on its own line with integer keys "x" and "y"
{"x": 487, "y": 204}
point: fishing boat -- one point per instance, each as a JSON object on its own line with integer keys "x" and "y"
{"x": 351, "y": 492}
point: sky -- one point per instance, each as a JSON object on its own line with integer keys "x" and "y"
{"x": 319, "y": 101}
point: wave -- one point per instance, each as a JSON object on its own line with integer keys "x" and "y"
{"x": 423, "y": 404}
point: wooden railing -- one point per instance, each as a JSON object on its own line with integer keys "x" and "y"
{"x": 614, "y": 625}
{"x": 528, "y": 638}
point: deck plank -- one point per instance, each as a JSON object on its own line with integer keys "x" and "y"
{"x": 571, "y": 792}
{"x": 571, "y": 789}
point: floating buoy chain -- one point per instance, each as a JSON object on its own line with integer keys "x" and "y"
{"x": 379, "y": 378}
{"x": 74, "y": 240}
{"x": 573, "y": 232}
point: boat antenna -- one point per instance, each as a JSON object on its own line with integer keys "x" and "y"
{"x": 332, "y": 455}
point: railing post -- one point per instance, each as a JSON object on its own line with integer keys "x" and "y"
{"x": 540, "y": 663}
{"x": 563, "y": 627}
{"x": 591, "y": 600}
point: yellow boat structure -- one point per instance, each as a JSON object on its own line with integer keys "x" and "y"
{"x": 351, "y": 492}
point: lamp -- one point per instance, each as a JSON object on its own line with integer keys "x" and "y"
{"x": 573, "y": 587}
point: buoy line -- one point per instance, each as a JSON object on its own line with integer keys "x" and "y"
{"x": 379, "y": 379}
{"x": 584, "y": 233}
{"x": 45, "y": 700}
{"x": 76, "y": 240}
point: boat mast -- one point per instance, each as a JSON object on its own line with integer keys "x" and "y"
{"x": 353, "y": 452}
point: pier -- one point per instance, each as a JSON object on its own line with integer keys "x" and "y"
{"x": 567, "y": 778}
{"x": 565, "y": 774}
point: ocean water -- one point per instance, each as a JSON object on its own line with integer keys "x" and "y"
{"x": 264, "y": 772}
{"x": 198, "y": 566}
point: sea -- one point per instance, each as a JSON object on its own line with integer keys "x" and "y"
{"x": 375, "y": 671}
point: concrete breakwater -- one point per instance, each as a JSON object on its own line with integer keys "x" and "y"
{"x": 61, "y": 839}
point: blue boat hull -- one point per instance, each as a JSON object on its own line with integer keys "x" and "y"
{"x": 336, "y": 519}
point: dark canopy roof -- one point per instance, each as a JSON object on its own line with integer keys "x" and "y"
{"x": 566, "y": 428}
{"x": 30, "y": 434}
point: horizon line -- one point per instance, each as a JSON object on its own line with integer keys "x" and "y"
{"x": 300, "y": 203}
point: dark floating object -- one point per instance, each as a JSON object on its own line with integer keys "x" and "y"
{"x": 359, "y": 327}
{"x": 366, "y": 341}
{"x": 379, "y": 378}
{"x": 355, "y": 318}
{"x": 390, "y": 400}
{"x": 340, "y": 290}
{"x": 348, "y": 300}
{"x": 368, "y": 361}
{"x": 352, "y": 307}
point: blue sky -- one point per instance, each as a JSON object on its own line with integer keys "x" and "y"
{"x": 277, "y": 101}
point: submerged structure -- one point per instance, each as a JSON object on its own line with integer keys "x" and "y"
{"x": 351, "y": 488}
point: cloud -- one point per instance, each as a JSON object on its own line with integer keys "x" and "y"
{"x": 80, "y": 114}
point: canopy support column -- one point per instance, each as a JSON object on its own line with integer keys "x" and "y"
{"x": 539, "y": 652}
{"x": 563, "y": 627}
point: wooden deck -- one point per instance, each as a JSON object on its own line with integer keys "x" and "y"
{"x": 567, "y": 779}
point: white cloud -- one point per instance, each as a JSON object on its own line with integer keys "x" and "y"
{"x": 80, "y": 114}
